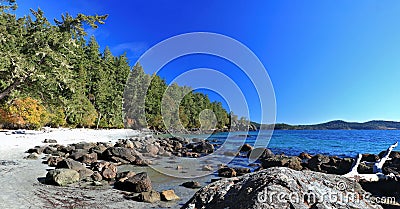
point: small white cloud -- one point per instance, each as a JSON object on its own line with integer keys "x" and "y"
{"x": 133, "y": 49}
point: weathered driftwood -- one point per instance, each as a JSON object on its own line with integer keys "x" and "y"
{"x": 377, "y": 168}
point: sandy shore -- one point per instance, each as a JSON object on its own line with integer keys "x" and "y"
{"x": 21, "y": 188}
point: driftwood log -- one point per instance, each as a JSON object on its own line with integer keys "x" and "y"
{"x": 377, "y": 168}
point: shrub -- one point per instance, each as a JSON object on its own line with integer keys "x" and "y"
{"x": 24, "y": 113}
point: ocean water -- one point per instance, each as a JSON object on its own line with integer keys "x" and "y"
{"x": 342, "y": 143}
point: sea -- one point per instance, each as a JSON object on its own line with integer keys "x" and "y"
{"x": 341, "y": 143}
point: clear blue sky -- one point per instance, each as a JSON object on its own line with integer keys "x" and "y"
{"x": 333, "y": 59}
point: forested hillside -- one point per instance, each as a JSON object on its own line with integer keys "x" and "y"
{"x": 343, "y": 125}
{"x": 172, "y": 108}
{"x": 52, "y": 74}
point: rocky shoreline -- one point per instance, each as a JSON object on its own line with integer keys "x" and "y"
{"x": 100, "y": 165}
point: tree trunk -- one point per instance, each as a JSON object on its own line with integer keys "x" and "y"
{"x": 98, "y": 121}
{"x": 8, "y": 90}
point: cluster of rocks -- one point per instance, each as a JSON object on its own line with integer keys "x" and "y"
{"x": 330, "y": 164}
{"x": 304, "y": 161}
{"x": 280, "y": 188}
{"x": 97, "y": 163}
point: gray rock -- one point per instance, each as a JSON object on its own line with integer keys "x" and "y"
{"x": 192, "y": 184}
{"x": 52, "y": 161}
{"x": 62, "y": 177}
{"x": 96, "y": 176}
{"x": 231, "y": 153}
{"x": 150, "y": 196}
{"x": 207, "y": 168}
{"x": 84, "y": 145}
{"x": 169, "y": 195}
{"x": 279, "y": 187}
{"x": 240, "y": 171}
{"x": 204, "y": 147}
{"x": 304, "y": 156}
{"x": 124, "y": 175}
{"x": 99, "y": 149}
{"x": 260, "y": 153}
{"x": 78, "y": 154}
{"x": 282, "y": 161}
{"x": 120, "y": 154}
{"x": 138, "y": 183}
{"x": 32, "y": 156}
{"x": 315, "y": 162}
{"x": 50, "y": 151}
{"x": 85, "y": 173}
{"x": 151, "y": 149}
{"x": 89, "y": 158}
{"x": 109, "y": 171}
{"x": 226, "y": 172}
{"x": 246, "y": 148}
{"x": 36, "y": 149}
{"x": 71, "y": 164}
{"x": 50, "y": 141}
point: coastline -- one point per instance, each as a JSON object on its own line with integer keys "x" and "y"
{"x": 20, "y": 178}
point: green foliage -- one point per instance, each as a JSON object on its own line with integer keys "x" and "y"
{"x": 150, "y": 102}
{"x": 53, "y": 64}
{"x": 69, "y": 82}
{"x": 134, "y": 94}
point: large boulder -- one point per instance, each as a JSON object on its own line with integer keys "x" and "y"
{"x": 71, "y": 164}
{"x": 77, "y": 154}
{"x": 191, "y": 184}
{"x": 84, "y": 145}
{"x": 151, "y": 149}
{"x": 304, "y": 156}
{"x": 106, "y": 169}
{"x": 261, "y": 153}
{"x": 246, "y": 148}
{"x": 370, "y": 157}
{"x": 36, "y": 149}
{"x": 316, "y": 161}
{"x": 89, "y": 158}
{"x": 203, "y": 147}
{"x": 120, "y": 154}
{"x": 227, "y": 172}
{"x": 282, "y": 161}
{"x": 138, "y": 183}
{"x": 330, "y": 164}
{"x": 109, "y": 171}
{"x": 169, "y": 195}
{"x": 281, "y": 187}
{"x": 150, "y": 196}
{"x": 62, "y": 177}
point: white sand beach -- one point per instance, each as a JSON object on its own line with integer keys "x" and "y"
{"x": 18, "y": 177}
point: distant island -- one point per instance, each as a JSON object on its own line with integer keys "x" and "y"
{"x": 339, "y": 125}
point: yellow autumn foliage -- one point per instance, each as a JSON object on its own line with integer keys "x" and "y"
{"x": 24, "y": 113}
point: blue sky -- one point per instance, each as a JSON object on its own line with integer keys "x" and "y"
{"x": 333, "y": 59}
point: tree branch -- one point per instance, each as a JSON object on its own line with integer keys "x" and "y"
{"x": 10, "y": 88}
{"x": 377, "y": 168}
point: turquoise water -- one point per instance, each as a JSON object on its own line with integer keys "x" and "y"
{"x": 342, "y": 143}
